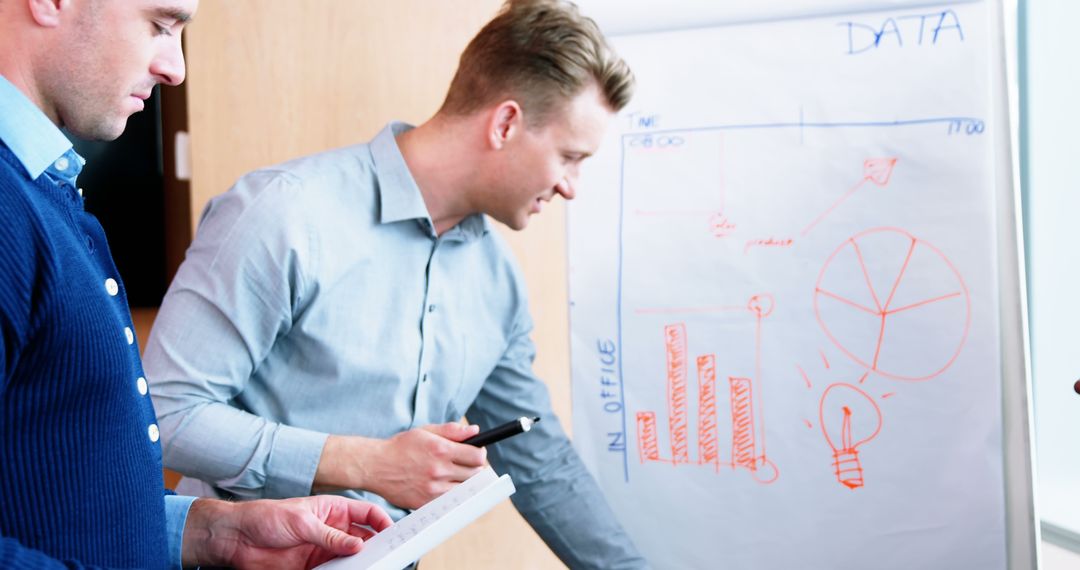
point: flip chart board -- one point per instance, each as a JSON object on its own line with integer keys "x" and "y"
{"x": 795, "y": 312}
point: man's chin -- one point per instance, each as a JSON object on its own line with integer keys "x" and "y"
{"x": 99, "y": 128}
{"x": 113, "y": 129}
{"x": 517, "y": 223}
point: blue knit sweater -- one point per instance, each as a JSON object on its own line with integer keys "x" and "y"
{"x": 80, "y": 474}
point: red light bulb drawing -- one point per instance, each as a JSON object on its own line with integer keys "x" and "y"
{"x": 849, "y": 418}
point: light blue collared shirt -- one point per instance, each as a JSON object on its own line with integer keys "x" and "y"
{"x": 42, "y": 148}
{"x": 316, "y": 298}
{"x": 35, "y": 140}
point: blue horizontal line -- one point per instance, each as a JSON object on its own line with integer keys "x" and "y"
{"x": 809, "y": 125}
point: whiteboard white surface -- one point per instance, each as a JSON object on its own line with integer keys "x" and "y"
{"x": 430, "y": 525}
{"x": 794, "y": 225}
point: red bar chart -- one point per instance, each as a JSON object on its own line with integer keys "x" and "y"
{"x": 694, "y": 437}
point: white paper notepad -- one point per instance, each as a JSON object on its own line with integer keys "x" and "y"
{"x": 427, "y": 527}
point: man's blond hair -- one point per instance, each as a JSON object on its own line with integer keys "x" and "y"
{"x": 540, "y": 53}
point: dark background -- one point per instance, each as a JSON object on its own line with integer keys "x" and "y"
{"x": 125, "y": 187}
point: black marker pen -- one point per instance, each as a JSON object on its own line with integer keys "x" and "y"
{"x": 502, "y": 432}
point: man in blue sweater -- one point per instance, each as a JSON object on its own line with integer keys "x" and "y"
{"x": 80, "y": 461}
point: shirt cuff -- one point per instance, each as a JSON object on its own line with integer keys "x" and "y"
{"x": 293, "y": 462}
{"x": 176, "y": 512}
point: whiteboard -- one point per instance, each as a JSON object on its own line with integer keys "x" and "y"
{"x": 793, "y": 278}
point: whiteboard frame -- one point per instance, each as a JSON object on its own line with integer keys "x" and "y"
{"x": 1023, "y": 533}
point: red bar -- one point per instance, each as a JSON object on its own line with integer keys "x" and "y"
{"x": 742, "y": 423}
{"x": 648, "y": 449}
{"x": 708, "y": 444}
{"x": 675, "y": 342}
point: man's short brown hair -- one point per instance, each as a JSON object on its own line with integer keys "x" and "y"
{"x": 540, "y": 53}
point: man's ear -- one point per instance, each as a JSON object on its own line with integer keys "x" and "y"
{"x": 506, "y": 121}
{"x": 47, "y": 12}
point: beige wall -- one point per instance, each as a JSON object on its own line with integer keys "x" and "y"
{"x": 270, "y": 80}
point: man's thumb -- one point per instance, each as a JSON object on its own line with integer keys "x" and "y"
{"x": 339, "y": 543}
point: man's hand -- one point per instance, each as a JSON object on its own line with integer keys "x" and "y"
{"x": 291, "y": 533}
{"x": 409, "y": 469}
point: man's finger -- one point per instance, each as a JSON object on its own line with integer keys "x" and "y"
{"x": 361, "y": 532}
{"x": 459, "y": 473}
{"x": 362, "y": 512}
{"x": 453, "y": 431}
{"x": 468, "y": 474}
{"x": 456, "y": 474}
{"x": 469, "y": 456}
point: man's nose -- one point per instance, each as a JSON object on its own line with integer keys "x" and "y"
{"x": 168, "y": 67}
{"x": 566, "y": 188}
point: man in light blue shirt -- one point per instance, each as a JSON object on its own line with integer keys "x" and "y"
{"x": 80, "y": 459}
{"x": 337, "y": 315}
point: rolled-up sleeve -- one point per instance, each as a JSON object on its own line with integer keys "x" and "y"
{"x": 235, "y": 293}
{"x": 555, "y": 493}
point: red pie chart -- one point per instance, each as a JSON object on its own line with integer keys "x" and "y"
{"x": 894, "y": 304}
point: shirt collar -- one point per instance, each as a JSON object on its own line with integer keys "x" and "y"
{"x": 34, "y": 140}
{"x": 399, "y": 195}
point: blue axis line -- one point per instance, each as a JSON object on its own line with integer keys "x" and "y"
{"x": 810, "y": 125}
{"x": 618, "y": 318}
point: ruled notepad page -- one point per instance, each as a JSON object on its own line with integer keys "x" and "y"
{"x": 427, "y": 527}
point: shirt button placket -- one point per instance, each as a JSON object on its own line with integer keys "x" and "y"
{"x": 423, "y": 385}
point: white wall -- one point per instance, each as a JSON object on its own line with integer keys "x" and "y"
{"x": 1052, "y": 184}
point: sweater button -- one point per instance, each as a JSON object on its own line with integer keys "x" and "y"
{"x": 153, "y": 432}
{"x": 130, "y": 335}
{"x": 111, "y": 287}
{"x": 141, "y": 383}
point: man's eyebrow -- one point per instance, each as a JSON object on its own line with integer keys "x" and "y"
{"x": 180, "y": 16}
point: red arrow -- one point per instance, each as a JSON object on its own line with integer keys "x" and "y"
{"x": 876, "y": 170}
